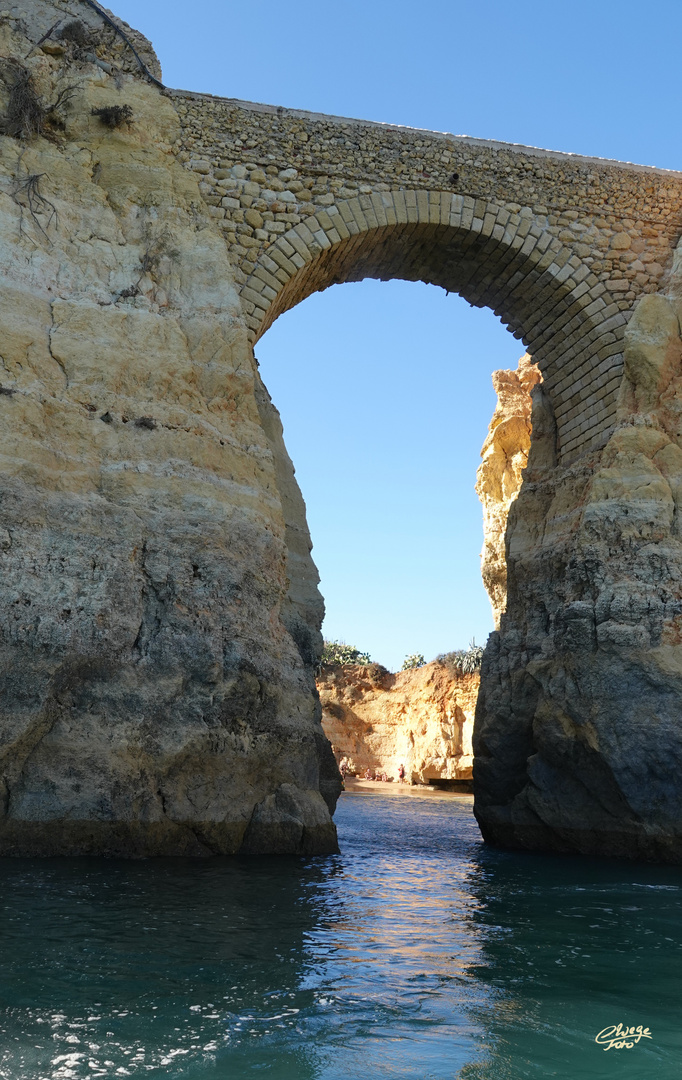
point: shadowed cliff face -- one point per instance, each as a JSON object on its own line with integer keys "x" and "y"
{"x": 158, "y": 625}
{"x": 577, "y": 740}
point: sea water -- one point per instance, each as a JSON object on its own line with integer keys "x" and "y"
{"x": 417, "y": 952}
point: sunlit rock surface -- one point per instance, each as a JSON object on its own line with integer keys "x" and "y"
{"x": 499, "y": 476}
{"x": 157, "y": 637}
{"x": 421, "y": 718}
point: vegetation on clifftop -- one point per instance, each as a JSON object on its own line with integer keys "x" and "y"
{"x": 337, "y": 652}
{"x": 463, "y": 661}
{"x": 459, "y": 662}
{"x": 413, "y": 660}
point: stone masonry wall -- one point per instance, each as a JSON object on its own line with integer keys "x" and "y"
{"x": 292, "y": 191}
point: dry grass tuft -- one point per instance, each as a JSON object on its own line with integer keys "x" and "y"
{"x": 26, "y": 114}
{"x": 114, "y": 116}
{"x": 76, "y": 33}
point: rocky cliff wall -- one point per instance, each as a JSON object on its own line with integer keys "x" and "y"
{"x": 499, "y": 477}
{"x": 421, "y": 718}
{"x": 158, "y": 606}
{"x": 577, "y": 739}
{"x": 159, "y": 616}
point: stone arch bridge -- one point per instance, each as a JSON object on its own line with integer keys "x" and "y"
{"x": 159, "y": 611}
{"x": 559, "y": 246}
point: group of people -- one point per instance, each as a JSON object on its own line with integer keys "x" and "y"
{"x": 371, "y": 774}
{"x": 376, "y": 776}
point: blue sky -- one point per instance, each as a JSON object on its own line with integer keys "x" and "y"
{"x": 384, "y": 388}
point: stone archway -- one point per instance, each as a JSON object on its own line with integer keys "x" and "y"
{"x": 554, "y": 765}
{"x": 543, "y": 292}
{"x": 159, "y": 615}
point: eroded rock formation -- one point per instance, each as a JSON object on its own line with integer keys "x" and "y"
{"x": 421, "y": 718}
{"x": 577, "y": 741}
{"x": 159, "y": 611}
{"x": 505, "y": 454}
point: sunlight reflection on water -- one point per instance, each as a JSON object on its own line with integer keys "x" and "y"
{"x": 418, "y": 952}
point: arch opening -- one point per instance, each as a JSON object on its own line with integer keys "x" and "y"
{"x": 544, "y": 293}
{"x": 438, "y": 379}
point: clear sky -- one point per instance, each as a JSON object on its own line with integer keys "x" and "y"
{"x": 384, "y": 388}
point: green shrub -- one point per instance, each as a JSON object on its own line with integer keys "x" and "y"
{"x": 413, "y": 660}
{"x": 337, "y": 652}
{"x": 463, "y": 661}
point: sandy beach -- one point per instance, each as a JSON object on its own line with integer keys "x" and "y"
{"x": 378, "y": 787}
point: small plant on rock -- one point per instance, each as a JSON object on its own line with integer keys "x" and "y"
{"x": 114, "y": 116}
{"x": 156, "y": 247}
{"x": 27, "y": 114}
{"x": 75, "y": 33}
{"x": 26, "y": 193}
{"x": 413, "y": 660}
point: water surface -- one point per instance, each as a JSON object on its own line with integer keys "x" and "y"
{"x": 418, "y": 952}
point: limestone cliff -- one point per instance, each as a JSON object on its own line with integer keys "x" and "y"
{"x": 577, "y": 738}
{"x": 505, "y": 454}
{"x": 159, "y": 613}
{"x": 421, "y": 718}
{"x": 157, "y": 635}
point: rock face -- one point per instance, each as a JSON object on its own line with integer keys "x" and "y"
{"x": 505, "y": 454}
{"x": 577, "y": 741}
{"x": 421, "y": 718}
{"x": 159, "y": 611}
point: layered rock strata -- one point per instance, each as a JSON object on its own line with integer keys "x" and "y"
{"x": 159, "y": 615}
{"x": 421, "y": 718}
{"x": 499, "y": 476}
{"x": 577, "y": 740}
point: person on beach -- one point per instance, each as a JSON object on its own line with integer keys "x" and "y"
{"x": 401, "y": 774}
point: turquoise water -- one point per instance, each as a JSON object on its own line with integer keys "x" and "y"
{"x": 418, "y": 952}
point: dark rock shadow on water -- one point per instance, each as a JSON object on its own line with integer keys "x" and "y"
{"x": 416, "y": 953}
